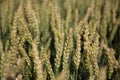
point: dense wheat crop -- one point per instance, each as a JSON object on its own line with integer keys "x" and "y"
{"x": 59, "y": 39}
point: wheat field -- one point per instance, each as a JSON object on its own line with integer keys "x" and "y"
{"x": 59, "y": 39}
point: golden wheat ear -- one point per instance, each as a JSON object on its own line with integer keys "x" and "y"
{"x": 59, "y": 39}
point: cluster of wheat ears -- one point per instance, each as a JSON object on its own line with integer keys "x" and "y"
{"x": 59, "y": 39}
